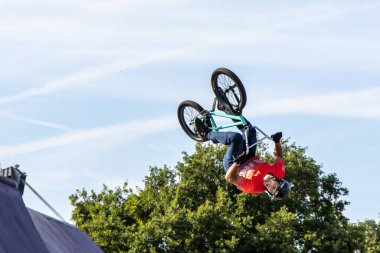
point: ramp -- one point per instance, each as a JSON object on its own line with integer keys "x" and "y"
{"x": 17, "y": 231}
{"x": 62, "y": 237}
{"x": 23, "y": 230}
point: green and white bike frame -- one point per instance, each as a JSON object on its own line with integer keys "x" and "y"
{"x": 239, "y": 120}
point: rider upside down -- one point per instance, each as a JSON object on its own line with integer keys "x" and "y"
{"x": 247, "y": 171}
{"x": 243, "y": 168}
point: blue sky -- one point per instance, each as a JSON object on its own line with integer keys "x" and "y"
{"x": 89, "y": 89}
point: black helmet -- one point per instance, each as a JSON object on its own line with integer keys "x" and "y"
{"x": 282, "y": 190}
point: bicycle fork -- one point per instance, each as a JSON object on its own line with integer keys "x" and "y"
{"x": 248, "y": 146}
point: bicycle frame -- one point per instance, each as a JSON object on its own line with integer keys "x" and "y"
{"x": 240, "y": 121}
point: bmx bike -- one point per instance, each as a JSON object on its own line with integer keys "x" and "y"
{"x": 230, "y": 98}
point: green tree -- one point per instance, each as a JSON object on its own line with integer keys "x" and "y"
{"x": 192, "y": 208}
{"x": 367, "y": 236}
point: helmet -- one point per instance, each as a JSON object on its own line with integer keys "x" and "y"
{"x": 282, "y": 190}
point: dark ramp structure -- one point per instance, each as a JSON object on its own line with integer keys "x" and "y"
{"x": 25, "y": 230}
{"x": 17, "y": 230}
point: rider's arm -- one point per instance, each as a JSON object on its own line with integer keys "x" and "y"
{"x": 279, "y": 161}
{"x": 232, "y": 174}
{"x": 278, "y": 154}
{"x": 278, "y": 149}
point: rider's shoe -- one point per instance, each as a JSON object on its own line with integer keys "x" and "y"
{"x": 229, "y": 111}
{"x": 222, "y": 105}
{"x": 201, "y": 127}
{"x": 222, "y": 102}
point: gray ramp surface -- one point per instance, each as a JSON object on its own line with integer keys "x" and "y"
{"x": 23, "y": 230}
{"x": 62, "y": 237}
{"x": 17, "y": 231}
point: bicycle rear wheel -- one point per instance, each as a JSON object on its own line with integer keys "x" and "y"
{"x": 187, "y": 111}
{"x": 229, "y": 89}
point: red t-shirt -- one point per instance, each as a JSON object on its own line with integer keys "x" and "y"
{"x": 253, "y": 171}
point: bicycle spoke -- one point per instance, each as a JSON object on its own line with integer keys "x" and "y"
{"x": 230, "y": 89}
{"x": 189, "y": 115}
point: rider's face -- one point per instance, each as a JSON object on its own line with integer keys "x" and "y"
{"x": 271, "y": 185}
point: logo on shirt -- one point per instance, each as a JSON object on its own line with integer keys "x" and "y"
{"x": 249, "y": 171}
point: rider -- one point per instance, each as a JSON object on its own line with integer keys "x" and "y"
{"x": 247, "y": 171}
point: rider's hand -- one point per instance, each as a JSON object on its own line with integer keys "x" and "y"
{"x": 277, "y": 137}
{"x": 240, "y": 159}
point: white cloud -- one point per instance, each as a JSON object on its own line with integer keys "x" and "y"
{"x": 360, "y": 104}
{"x": 363, "y": 103}
{"x": 89, "y": 74}
{"x": 129, "y": 130}
{"x": 35, "y": 121}
{"x": 269, "y": 33}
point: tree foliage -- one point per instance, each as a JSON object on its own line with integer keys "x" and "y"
{"x": 192, "y": 208}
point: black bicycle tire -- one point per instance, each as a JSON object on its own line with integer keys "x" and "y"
{"x": 182, "y": 121}
{"x": 243, "y": 96}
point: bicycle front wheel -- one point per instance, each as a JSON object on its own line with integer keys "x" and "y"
{"x": 229, "y": 89}
{"x": 187, "y": 111}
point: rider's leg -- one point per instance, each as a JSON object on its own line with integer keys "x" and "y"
{"x": 252, "y": 138}
{"x": 251, "y": 134}
{"x": 235, "y": 142}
